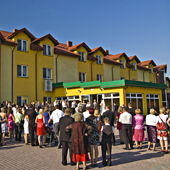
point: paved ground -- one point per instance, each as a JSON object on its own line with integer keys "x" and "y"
{"x": 16, "y": 155}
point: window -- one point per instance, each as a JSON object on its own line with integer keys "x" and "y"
{"x": 48, "y": 99}
{"x": 152, "y": 102}
{"x": 134, "y": 66}
{"x": 21, "y": 71}
{"x": 134, "y": 79}
{"x": 122, "y": 78}
{"x": 99, "y": 61}
{"x": 123, "y": 64}
{"x": 82, "y": 56}
{"x": 21, "y": 100}
{"x": 150, "y": 71}
{"x": 22, "y": 45}
{"x": 151, "y": 81}
{"x": 47, "y": 49}
{"x": 47, "y": 73}
{"x": 99, "y": 77}
{"x": 82, "y": 77}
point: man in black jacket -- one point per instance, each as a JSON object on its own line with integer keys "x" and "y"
{"x": 131, "y": 110}
{"x": 66, "y": 138}
{"x": 115, "y": 109}
{"x": 110, "y": 115}
{"x": 32, "y": 126}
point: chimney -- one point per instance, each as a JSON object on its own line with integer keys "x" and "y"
{"x": 14, "y": 30}
{"x": 107, "y": 52}
{"x": 69, "y": 43}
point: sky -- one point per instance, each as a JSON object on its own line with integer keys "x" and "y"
{"x": 136, "y": 27}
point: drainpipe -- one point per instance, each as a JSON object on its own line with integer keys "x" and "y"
{"x": 0, "y": 70}
{"x": 125, "y": 95}
{"x": 36, "y": 76}
{"x": 144, "y": 76}
{"x": 112, "y": 73}
{"x": 129, "y": 73}
{"x": 91, "y": 72}
{"x": 13, "y": 73}
{"x": 56, "y": 68}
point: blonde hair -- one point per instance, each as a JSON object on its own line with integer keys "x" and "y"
{"x": 41, "y": 112}
{"x": 78, "y": 117}
{"x": 152, "y": 111}
{"x": 137, "y": 111}
{"x": 162, "y": 109}
{"x": 106, "y": 120}
{"x": 120, "y": 109}
{"x": 96, "y": 113}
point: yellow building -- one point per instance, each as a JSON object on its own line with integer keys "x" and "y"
{"x": 43, "y": 69}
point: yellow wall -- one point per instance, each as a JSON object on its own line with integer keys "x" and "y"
{"x": 151, "y": 75}
{"x": 140, "y": 75}
{"x": 133, "y": 73}
{"x": 6, "y": 72}
{"x": 124, "y": 72}
{"x": 67, "y": 68}
{"x": 98, "y": 68}
{"x": 84, "y": 67}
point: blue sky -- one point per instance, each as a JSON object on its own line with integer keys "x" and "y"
{"x": 136, "y": 27}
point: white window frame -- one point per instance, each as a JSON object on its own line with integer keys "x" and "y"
{"x": 47, "y": 73}
{"x": 46, "y": 48}
{"x": 22, "y": 46}
{"x": 99, "y": 61}
{"x": 23, "y": 100}
{"x": 134, "y": 66}
{"x": 123, "y": 62}
{"x": 82, "y": 76}
{"x": 82, "y": 56}
{"x": 100, "y": 77}
{"x": 22, "y": 66}
{"x": 148, "y": 96}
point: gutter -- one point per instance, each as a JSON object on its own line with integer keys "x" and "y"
{"x": 36, "y": 75}
{"x": 144, "y": 76}
{"x": 56, "y": 68}
{"x": 112, "y": 73}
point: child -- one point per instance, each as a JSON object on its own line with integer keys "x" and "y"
{"x": 107, "y": 132}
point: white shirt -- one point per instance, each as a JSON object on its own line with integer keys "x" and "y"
{"x": 56, "y": 115}
{"x": 55, "y": 103}
{"x": 107, "y": 124}
{"x": 64, "y": 104}
{"x": 88, "y": 105}
{"x": 73, "y": 105}
{"x": 125, "y": 118}
{"x": 86, "y": 114}
{"x": 14, "y": 110}
{"x": 151, "y": 120}
{"x": 163, "y": 117}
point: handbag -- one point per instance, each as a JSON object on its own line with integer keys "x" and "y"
{"x": 161, "y": 126}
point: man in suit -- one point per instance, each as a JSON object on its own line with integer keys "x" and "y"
{"x": 66, "y": 138}
{"x": 110, "y": 115}
{"x": 32, "y": 126}
{"x": 131, "y": 110}
{"x": 115, "y": 109}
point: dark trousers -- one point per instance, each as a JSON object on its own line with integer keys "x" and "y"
{"x": 32, "y": 132}
{"x": 106, "y": 146}
{"x": 113, "y": 139}
{"x": 0, "y": 133}
{"x": 18, "y": 131}
{"x": 57, "y": 133}
{"x": 127, "y": 134}
{"x": 73, "y": 111}
{"x": 65, "y": 147}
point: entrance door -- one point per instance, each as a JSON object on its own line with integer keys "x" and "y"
{"x": 99, "y": 97}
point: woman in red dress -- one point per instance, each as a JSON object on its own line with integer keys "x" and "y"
{"x": 80, "y": 130}
{"x": 40, "y": 120}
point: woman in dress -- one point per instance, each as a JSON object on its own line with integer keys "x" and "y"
{"x": 11, "y": 122}
{"x": 162, "y": 134}
{"x": 4, "y": 128}
{"x": 93, "y": 139}
{"x": 138, "y": 128}
{"x": 80, "y": 130}
{"x": 47, "y": 116}
{"x": 26, "y": 127}
{"x": 40, "y": 120}
{"x": 119, "y": 124}
{"x": 151, "y": 121}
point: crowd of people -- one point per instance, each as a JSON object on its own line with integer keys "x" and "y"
{"x": 82, "y": 128}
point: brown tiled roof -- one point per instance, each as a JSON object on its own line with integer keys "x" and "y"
{"x": 134, "y": 57}
{"x": 96, "y": 49}
{"x": 145, "y": 63}
{"x": 90, "y": 57}
{"x": 36, "y": 47}
{"x": 21, "y": 30}
{"x": 3, "y": 36}
{"x": 160, "y": 67}
{"x": 46, "y": 36}
{"x": 110, "y": 61}
{"x": 117, "y": 56}
{"x": 143, "y": 67}
{"x": 75, "y": 47}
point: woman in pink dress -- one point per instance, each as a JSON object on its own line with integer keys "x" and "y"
{"x": 138, "y": 128}
{"x": 10, "y": 123}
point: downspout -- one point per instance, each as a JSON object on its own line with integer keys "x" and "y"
{"x": 13, "y": 73}
{"x": 144, "y": 76}
{"x": 112, "y": 73}
{"x": 91, "y": 72}
{"x": 125, "y": 95}
{"x": 36, "y": 76}
{"x": 129, "y": 73}
{"x": 0, "y": 70}
{"x": 56, "y": 68}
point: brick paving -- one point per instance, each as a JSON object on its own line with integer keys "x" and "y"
{"x": 17, "y": 155}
